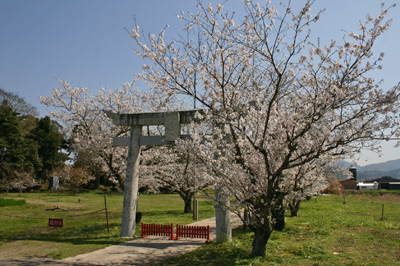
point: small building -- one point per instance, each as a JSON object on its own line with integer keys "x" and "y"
{"x": 386, "y": 182}
{"x": 349, "y": 184}
{"x": 367, "y": 186}
{"x": 394, "y": 185}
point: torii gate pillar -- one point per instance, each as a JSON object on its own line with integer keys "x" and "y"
{"x": 131, "y": 183}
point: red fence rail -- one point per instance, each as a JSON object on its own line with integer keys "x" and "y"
{"x": 193, "y": 231}
{"x": 158, "y": 230}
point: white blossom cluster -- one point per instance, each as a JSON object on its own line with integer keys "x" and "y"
{"x": 90, "y": 131}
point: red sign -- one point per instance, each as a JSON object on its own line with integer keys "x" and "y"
{"x": 56, "y": 222}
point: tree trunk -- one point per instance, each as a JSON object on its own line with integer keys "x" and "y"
{"x": 260, "y": 241}
{"x": 279, "y": 217}
{"x": 294, "y": 207}
{"x": 188, "y": 205}
{"x": 187, "y": 198}
{"x": 97, "y": 183}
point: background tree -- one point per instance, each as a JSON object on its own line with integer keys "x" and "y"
{"x": 90, "y": 131}
{"x": 309, "y": 180}
{"x": 50, "y": 144}
{"x": 75, "y": 177}
{"x": 16, "y": 153}
{"x": 283, "y": 100}
{"x": 90, "y": 160}
{"x": 30, "y": 146}
{"x": 179, "y": 172}
{"x": 18, "y": 104}
{"x": 23, "y": 181}
{"x": 7, "y": 177}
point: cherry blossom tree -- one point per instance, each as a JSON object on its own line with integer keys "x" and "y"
{"x": 75, "y": 176}
{"x": 90, "y": 131}
{"x": 309, "y": 180}
{"x": 176, "y": 170}
{"x": 23, "y": 181}
{"x": 275, "y": 101}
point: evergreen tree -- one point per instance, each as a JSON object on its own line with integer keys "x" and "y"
{"x": 12, "y": 143}
{"x": 15, "y": 151}
{"x": 50, "y": 144}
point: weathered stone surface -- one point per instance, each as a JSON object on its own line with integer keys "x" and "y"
{"x": 151, "y": 119}
{"x": 172, "y": 126}
{"x": 131, "y": 184}
{"x": 222, "y": 216}
{"x": 145, "y": 140}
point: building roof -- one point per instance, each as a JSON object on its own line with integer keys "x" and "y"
{"x": 383, "y": 179}
{"x": 350, "y": 180}
{"x": 366, "y": 184}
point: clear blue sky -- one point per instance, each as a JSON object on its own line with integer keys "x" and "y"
{"x": 84, "y": 42}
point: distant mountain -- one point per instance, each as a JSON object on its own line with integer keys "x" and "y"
{"x": 346, "y": 164}
{"x": 385, "y": 166}
{"x": 377, "y": 170}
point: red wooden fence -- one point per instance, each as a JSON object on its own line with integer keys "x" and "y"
{"x": 193, "y": 231}
{"x": 158, "y": 230}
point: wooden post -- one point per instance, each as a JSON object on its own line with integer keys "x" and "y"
{"x": 105, "y": 203}
{"x": 195, "y": 210}
{"x": 383, "y": 207}
{"x": 344, "y": 197}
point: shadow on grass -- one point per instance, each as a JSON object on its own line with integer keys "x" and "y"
{"x": 212, "y": 254}
{"x": 164, "y": 213}
{"x": 233, "y": 253}
{"x": 173, "y": 213}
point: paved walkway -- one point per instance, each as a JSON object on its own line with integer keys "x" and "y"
{"x": 146, "y": 251}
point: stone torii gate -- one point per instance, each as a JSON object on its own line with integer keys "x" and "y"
{"x": 172, "y": 122}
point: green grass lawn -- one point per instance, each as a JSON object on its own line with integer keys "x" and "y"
{"x": 24, "y": 230}
{"x": 326, "y": 232}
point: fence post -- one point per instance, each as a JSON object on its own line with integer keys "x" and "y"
{"x": 172, "y": 232}
{"x": 195, "y": 209}
{"x": 344, "y": 197}
{"x": 105, "y": 203}
{"x": 142, "y": 230}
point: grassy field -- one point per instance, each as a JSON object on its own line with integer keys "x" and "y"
{"x": 326, "y": 232}
{"x": 24, "y": 230}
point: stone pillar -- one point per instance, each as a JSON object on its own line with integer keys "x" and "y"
{"x": 222, "y": 215}
{"x": 131, "y": 184}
